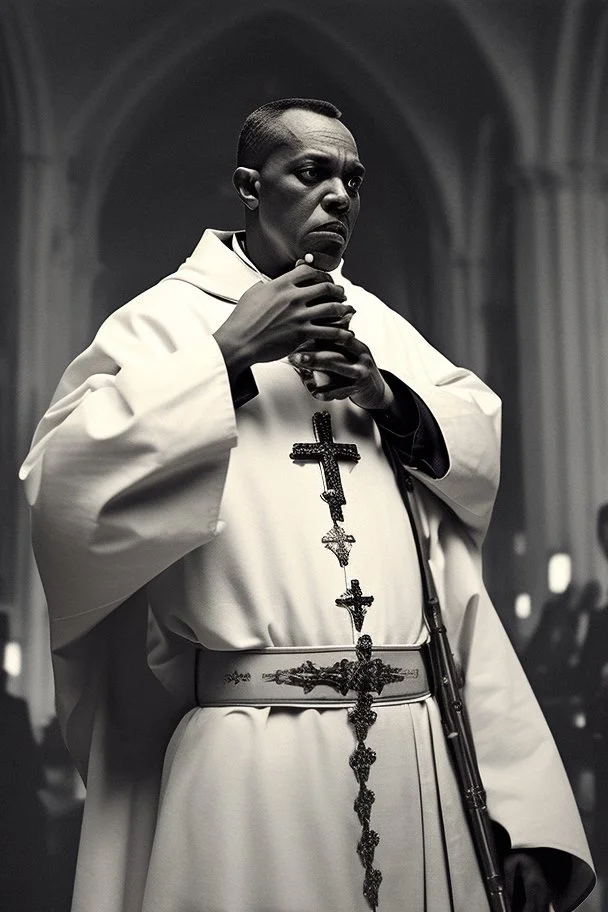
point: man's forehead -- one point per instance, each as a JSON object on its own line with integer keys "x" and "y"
{"x": 306, "y": 129}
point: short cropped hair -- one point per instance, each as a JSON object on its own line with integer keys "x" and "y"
{"x": 261, "y": 133}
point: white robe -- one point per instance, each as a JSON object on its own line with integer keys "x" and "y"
{"x": 151, "y": 496}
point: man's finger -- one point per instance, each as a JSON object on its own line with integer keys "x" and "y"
{"x": 324, "y": 385}
{"x": 329, "y": 393}
{"x": 304, "y": 275}
{"x": 327, "y": 336}
{"x": 320, "y": 293}
{"x": 328, "y": 361}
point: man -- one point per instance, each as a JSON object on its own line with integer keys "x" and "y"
{"x": 214, "y": 469}
{"x": 594, "y": 651}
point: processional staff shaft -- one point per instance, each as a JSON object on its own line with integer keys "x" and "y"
{"x": 327, "y": 452}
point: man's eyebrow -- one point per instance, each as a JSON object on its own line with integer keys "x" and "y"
{"x": 327, "y": 158}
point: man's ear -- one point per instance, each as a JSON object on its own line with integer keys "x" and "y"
{"x": 247, "y": 184}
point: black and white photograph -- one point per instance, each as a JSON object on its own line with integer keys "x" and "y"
{"x": 304, "y": 456}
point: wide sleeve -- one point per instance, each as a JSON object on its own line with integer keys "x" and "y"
{"x": 466, "y": 411}
{"x": 127, "y": 467}
{"x": 125, "y": 476}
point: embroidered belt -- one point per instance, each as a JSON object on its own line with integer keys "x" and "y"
{"x": 329, "y": 676}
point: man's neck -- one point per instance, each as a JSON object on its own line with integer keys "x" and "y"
{"x": 240, "y": 248}
{"x": 258, "y": 254}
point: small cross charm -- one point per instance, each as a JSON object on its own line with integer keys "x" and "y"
{"x": 327, "y": 452}
{"x": 356, "y": 603}
{"x": 339, "y": 543}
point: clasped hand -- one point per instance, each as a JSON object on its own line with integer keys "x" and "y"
{"x": 303, "y": 314}
{"x": 348, "y": 370}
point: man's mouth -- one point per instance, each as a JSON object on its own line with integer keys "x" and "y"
{"x": 333, "y": 228}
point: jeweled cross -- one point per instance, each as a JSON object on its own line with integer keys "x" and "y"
{"x": 356, "y": 603}
{"x": 339, "y": 542}
{"x": 327, "y": 451}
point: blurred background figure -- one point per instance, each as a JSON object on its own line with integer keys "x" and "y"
{"x": 594, "y": 677}
{"x": 63, "y": 802}
{"x": 594, "y": 651}
{"x": 22, "y": 819}
{"x": 551, "y": 654}
{"x": 566, "y": 660}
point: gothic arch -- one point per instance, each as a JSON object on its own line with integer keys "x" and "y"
{"x": 107, "y": 126}
{"x": 173, "y": 148}
{"x": 32, "y": 105}
{"x": 509, "y": 67}
{"x": 580, "y": 65}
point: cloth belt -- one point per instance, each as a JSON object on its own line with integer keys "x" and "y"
{"x": 329, "y": 676}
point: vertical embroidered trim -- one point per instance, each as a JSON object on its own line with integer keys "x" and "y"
{"x": 366, "y": 675}
{"x": 362, "y": 717}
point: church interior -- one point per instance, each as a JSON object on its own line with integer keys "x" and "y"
{"x": 483, "y": 126}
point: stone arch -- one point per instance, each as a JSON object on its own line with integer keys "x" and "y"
{"x": 592, "y": 108}
{"x": 576, "y": 90}
{"x": 106, "y": 127}
{"x": 431, "y": 203}
{"x": 32, "y": 106}
{"x": 505, "y": 59}
{"x": 99, "y": 137}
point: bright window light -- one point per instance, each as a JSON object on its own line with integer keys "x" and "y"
{"x": 12, "y": 659}
{"x": 559, "y": 572}
{"x": 523, "y": 606}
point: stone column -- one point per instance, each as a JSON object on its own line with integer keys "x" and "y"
{"x": 54, "y": 324}
{"x": 468, "y": 320}
{"x": 561, "y": 293}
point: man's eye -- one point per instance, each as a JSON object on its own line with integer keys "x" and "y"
{"x": 354, "y": 183}
{"x": 309, "y": 175}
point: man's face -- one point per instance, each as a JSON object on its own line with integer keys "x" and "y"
{"x": 308, "y": 192}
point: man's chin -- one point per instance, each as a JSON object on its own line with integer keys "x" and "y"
{"x": 326, "y": 260}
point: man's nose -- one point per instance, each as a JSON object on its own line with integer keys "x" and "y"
{"x": 336, "y": 198}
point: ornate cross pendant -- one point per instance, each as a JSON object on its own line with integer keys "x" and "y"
{"x": 327, "y": 452}
{"x": 339, "y": 543}
{"x": 356, "y": 603}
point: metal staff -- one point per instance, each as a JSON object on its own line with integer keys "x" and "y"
{"x": 447, "y": 690}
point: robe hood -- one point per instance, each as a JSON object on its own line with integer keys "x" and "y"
{"x": 214, "y": 268}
